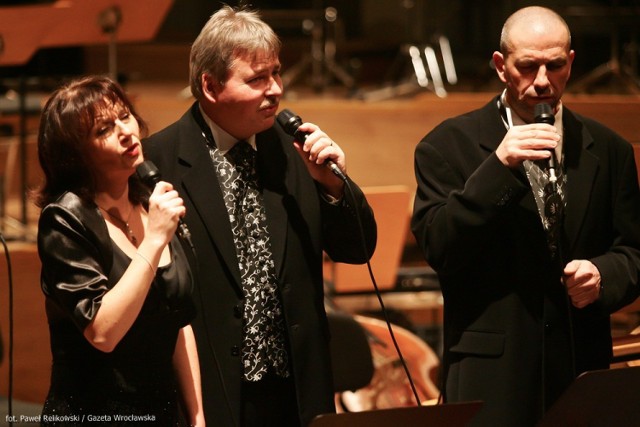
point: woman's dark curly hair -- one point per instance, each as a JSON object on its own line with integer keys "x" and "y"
{"x": 64, "y": 138}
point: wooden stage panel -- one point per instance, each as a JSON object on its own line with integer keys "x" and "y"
{"x": 31, "y": 353}
{"x": 379, "y": 138}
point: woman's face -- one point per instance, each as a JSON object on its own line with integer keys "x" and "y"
{"x": 115, "y": 144}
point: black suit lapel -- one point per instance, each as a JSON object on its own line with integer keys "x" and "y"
{"x": 201, "y": 185}
{"x": 580, "y": 167}
{"x": 493, "y": 127}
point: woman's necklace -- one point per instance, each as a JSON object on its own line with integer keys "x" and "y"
{"x": 124, "y": 225}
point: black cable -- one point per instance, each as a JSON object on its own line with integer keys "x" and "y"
{"x": 10, "y": 303}
{"x": 543, "y": 115}
{"x": 379, "y": 296}
{"x": 568, "y": 307}
{"x": 562, "y": 262}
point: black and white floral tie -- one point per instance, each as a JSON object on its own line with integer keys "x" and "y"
{"x": 264, "y": 347}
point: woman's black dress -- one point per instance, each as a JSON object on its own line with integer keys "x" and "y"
{"x": 135, "y": 383}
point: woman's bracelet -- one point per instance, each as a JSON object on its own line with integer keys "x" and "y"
{"x": 153, "y": 270}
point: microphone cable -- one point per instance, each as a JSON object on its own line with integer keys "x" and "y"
{"x": 365, "y": 251}
{"x": 290, "y": 123}
{"x": 543, "y": 113}
{"x": 561, "y": 262}
{"x": 10, "y": 345}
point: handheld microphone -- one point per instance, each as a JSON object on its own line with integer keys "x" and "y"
{"x": 543, "y": 114}
{"x": 150, "y": 175}
{"x": 290, "y": 123}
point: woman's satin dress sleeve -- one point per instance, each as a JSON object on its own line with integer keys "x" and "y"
{"x": 73, "y": 244}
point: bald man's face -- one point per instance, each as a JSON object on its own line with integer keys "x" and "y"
{"x": 537, "y": 66}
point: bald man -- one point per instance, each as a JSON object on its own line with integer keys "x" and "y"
{"x": 532, "y": 259}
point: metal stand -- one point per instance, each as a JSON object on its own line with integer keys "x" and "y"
{"x": 423, "y": 58}
{"x": 321, "y": 59}
{"x": 614, "y": 67}
{"x": 418, "y": 80}
{"x": 109, "y": 20}
{"x": 16, "y": 155}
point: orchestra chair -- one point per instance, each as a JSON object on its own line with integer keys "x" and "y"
{"x": 626, "y": 350}
{"x": 392, "y": 209}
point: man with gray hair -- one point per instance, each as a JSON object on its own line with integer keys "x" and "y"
{"x": 261, "y": 207}
{"x": 530, "y": 214}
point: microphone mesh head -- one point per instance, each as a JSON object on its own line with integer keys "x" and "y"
{"x": 542, "y": 113}
{"x": 289, "y": 121}
{"x": 148, "y": 173}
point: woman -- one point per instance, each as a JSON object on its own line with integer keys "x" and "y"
{"x": 116, "y": 281}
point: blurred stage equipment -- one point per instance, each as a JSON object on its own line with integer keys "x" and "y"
{"x": 325, "y": 28}
{"x": 622, "y": 64}
{"x": 109, "y": 21}
{"x": 351, "y": 358}
{"x": 64, "y": 23}
{"x": 25, "y": 29}
{"x": 424, "y": 60}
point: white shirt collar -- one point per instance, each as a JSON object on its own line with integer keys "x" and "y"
{"x": 223, "y": 140}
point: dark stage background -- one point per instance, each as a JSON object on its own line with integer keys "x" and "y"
{"x": 369, "y": 35}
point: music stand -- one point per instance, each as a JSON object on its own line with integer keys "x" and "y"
{"x": 21, "y": 30}
{"x": 115, "y": 20}
{"x": 445, "y": 415}
{"x": 25, "y": 29}
{"x": 598, "y": 399}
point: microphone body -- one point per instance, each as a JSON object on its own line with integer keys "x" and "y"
{"x": 150, "y": 175}
{"x": 291, "y": 123}
{"x": 544, "y": 114}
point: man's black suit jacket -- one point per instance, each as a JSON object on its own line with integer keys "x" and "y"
{"x": 301, "y": 225}
{"x": 505, "y": 311}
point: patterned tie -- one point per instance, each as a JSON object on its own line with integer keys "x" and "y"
{"x": 264, "y": 346}
{"x": 553, "y": 212}
{"x": 550, "y": 202}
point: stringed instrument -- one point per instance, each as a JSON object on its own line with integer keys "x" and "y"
{"x": 390, "y": 387}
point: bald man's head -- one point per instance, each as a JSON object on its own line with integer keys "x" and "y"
{"x": 530, "y": 22}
